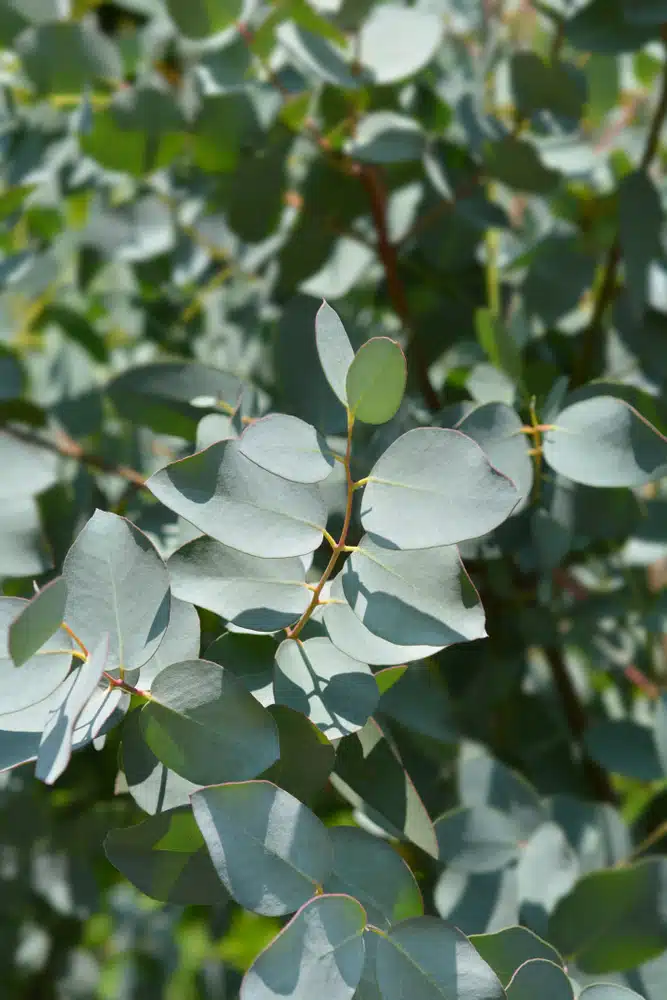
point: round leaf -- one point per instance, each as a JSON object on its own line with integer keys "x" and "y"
{"x": 435, "y": 487}
{"x": 375, "y": 381}
{"x": 270, "y": 851}
{"x": 40, "y": 675}
{"x": 540, "y": 978}
{"x": 477, "y": 839}
{"x": 38, "y": 620}
{"x": 506, "y": 950}
{"x": 202, "y": 18}
{"x": 397, "y": 41}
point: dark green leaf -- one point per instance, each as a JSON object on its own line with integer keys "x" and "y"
{"x": 306, "y": 755}
{"x": 540, "y": 978}
{"x": 202, "y": 18}
{"x": 508, "y": 949}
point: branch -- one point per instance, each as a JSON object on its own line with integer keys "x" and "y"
{"x": 372, "y": 181}
{"x": 607, "y": 288}
{"x": 66, "y": 446}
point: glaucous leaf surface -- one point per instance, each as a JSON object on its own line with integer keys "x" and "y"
{"x": 306, "y": 755}
{"x": 420, "y": 598}
{"x": 608, "y": 991}
{"x": 425, "y": 956}
{"x": 33, "y": 469}
{"x": 396, "y": 41}
{"x": 327, "y": 936}
{"x": 334, "y": 349}
{"x": 180, "y": 642}
{"x": 497, "y": 430}
{"x": 117, "y": 584}
{"x": 251, "y": 658}
{"x": 230, "y": 498}
{"x": 270, "y": 851}
{"x": 165, "y": 857}
{"x": 259, "y": 594}
{"x": 39, "y": 676}
{"x": 434, "y": 487}
{"x": 152, "y": 785}
{"x": 603, "y": 441}
{"x": 287, "y": 447}
{"x": 202, "y": 723}
{"x": 55, "y": 747}
{"x": 336, "y": 692}
{"x": 477, "y": 839}
{"x": 375, "y": 381}
{"x": 507, "y": 950}
{"x": 37, "y": 621}
{"x": 374, "y": 873}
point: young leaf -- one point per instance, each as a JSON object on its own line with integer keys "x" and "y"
{"x": 334, "y": 349}
{"x": 37, "y": 622}
{"x": 226, "y": 495}
{"x": 166, "y": 857}
{"x": 270, "y": 851}
{"x": 446, "y": 483}
{"x": 428, "y": 957}
{"x": 118, "y": 584}
{"x": 259, "y": 594}
{"x": 320, "y": 953}
{"x": 203, "y": 724}
{"x": 55, "y": 748}
{"x": 40, "y": 675}
{"x": 287, "y": 447}
{"x": 334, "y": 691}
{"x": 375, "y": 381}
{"x": 603, "y": 441}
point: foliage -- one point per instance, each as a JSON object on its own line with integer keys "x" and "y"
{"x": 332, "y": 515}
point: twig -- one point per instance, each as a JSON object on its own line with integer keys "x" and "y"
{"x": 607, "y": 287}
{"x": 597, "y": 777}
{"x": 63, "y": 444}
{"x": 372, "y": 181}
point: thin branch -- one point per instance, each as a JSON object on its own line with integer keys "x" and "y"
{"x": 63, "y": 444}
{"x": 372, "y": 181}
{"x": 607, "y": 288}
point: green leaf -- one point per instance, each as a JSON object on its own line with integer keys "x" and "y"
{"x": 38, "y": 676}
{"x": 337, "y": 693}
{"x": 306, "y": 755}
{"x": 226, "y": 495}
{"x": 497, "y": 343}
{"x": 37, "y": 621}
{"x": 540, "y": 978}
{"x": 369, "y": 772}
{"x": 55, "y": 748}
{"x": 482, "y": 780}
{"x": 640, "y": 219}
{"x": 259, "y": 594}
{"x": 545, "y": 85}
{"x": 516, "y": 163}
{"x": 118, "y": 584}
{"x": 270, "y": 851}
{"x": 287, "y": 447}
{"x": 334, "y": 349}
{"x": 421, "y": 597}
{"x": 203, "y": 724}
{"x": 372, "y": 871}
{"x": 428, "y": 957}
{"x": 603, "y": 441}
{"x": 396, "y": 41}
{"x": 153, "y": 786}
{"x": 375, "y": 381}
{"x": 446, "y": 483}
{"x": 386, "y": 137}
{"x": 350, "y": 635}
{"x": 202, "y": 18}
{"x": 510, "y": 948}
{"x": 171, "y": 397}
{"x": 65, "y": 57}
{"x": 603, "y": 26}
{"x": 625, "y": 747}
{"x": 317, "y": 56}
{"x": 77, "y": 328}
{"x": 477, "y": 839}
{"x": 251, "y": 658}
{"x": 419, "y": 701}
{"x": 320, "y": 953}
{"x": 166, "y": 858}
{"x": 613, "y": 920}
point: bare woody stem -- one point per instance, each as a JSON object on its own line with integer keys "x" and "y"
{"x": 340, "y": 546}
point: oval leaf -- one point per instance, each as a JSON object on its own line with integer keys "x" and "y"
{"x": 203, "y": 724}
{"x": 375, "y": 381}
{"x": 477, "y": 839}
{"x": 320, "y": 953}
{"x": 287, "y": 447}
{"x": 435, "y": 487}
{"x": 270, "y": 851}
{"x": 334, "y": 349}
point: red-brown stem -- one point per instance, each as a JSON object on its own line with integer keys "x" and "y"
{"x": 372, "y": 180}
{"x": 66, "y": 446}
{"x": 293, "y": 633}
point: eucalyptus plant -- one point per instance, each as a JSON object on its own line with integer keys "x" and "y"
{"x": 332, "y": 508}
